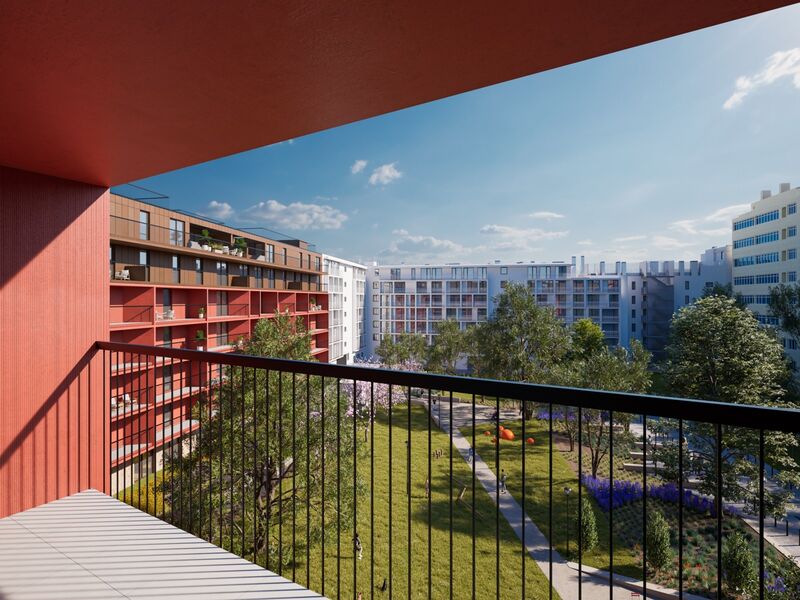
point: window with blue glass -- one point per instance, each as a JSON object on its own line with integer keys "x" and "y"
{"x": 791, "y": 231}
{"x": 792, "y": 208}
{"x": 791, "y": 254}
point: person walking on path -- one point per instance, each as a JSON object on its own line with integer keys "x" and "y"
{"x": 469, "y": 455}
{"x": 502, "y": 482}
{"x": 359, "y": 549}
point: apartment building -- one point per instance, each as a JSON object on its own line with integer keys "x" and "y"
{"x": 415, "y": 298}
{"x": 629, "y": 302}
{"x": 765, "y": 246}
{"x": 182, "y": 281}
{"x": 346, "y": 283}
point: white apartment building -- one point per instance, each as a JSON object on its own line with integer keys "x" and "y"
{"x": 627, "y": 303}
{"x": 346, "y": 283}
{"x": 765, "y": 246}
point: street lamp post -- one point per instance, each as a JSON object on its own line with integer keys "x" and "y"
{"x": 567, "y": 492}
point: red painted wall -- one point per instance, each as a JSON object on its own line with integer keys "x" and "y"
{"x": 53, "y": 307}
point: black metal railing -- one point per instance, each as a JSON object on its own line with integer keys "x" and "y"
{"x": 355, "y": 481}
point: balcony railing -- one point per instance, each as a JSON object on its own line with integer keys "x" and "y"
{"x": 355, "y": 480}
{"x": 219, "y": 245}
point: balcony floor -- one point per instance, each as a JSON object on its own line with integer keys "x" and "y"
{"x": 90, "y": 545}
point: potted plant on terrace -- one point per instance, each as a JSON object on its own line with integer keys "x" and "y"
{"x": 205, "y": 240}
{"x": 240, "y": 246}
{"x": 216, "y": 247}
{"x": 201, "y": 312}
{"x": 199, "y": 338}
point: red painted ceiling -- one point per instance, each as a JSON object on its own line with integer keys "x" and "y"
{"x": 109, "y": 92}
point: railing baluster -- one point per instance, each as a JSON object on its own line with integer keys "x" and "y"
{"x": 391, "y": 520}
{"x": 761, "y": 477}
{"x": 580, "y": 502}
{"x": 719, "y": 510}
{"x": 308, "y": 481}
{"x": 244, "y": 466}
{"x": 474, "y": 455}
{"x": 280, "y": 472}
{"x": 524, "y": 523}
{"x": 372, "y": 488}
{"x": 550, "y": 502}
{"x": 257, "y": 468}
{"x": 232, "y": 408}
{"x": 338, "y": 488}
{"x": 355, "y": 485}
{"x": 680, "y": 508}
{"x": 408, "y": 493}
{"x": 644, "y": 506}
{"x": 221, "y": 467}
{"x": 611, "y": 506}
{"x": 450, "y": 502}
{"x": 497, "y": 503}
{"x": 294, "y": 476}
{"x": 430, "y": 494}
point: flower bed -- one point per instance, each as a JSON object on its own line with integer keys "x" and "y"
{"x": 626, "y": 492}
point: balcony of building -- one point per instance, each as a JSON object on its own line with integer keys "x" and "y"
{"x": 192, "y": 528}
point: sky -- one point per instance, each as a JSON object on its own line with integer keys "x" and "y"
{"x": 644, "y": 154}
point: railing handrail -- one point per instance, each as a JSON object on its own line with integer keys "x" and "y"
{"x": 724, "y": 413}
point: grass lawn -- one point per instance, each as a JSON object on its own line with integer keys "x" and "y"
{"x": 537, "y": 493}
{"x": 342, "y": 579}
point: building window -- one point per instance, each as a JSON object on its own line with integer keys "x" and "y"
{"x": 198, "y": 271}
{"x": 503, "y": 284}
{"x": 166, "y": 337}
{"x": 394, "y": 273}
{"x": 503, "y": 270}
{"x": 633, "y": 313}
{"x": 791, "y": 254}
{"x": 792, "y": 276}
{"x": 144, "y": 225}
{"x": 633, "y": 299}
{"x": 166, "y": 298}
{"x": 792, "y": 208}
{"x": 222, "y": 273}
{"x": 686, "y": 285}
{"x": 792, "y": 231}
{"x": 144, "y": 258}
{"x": 285, "y": 257}
{"x": 176, "y": 232}
{"x": 686, "y": 299}
{"x": 317, "y": 264}
{"x": 176, "y": 269}
{"x": 270, "y": 253}
{"x": 633, "y": 285}
{"x": 633, "y": 327}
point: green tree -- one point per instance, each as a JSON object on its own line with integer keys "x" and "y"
{"x": 268, "y": 443}
{"x": 784, "y": 303}
{"x": 720, "y": 352}
{"x": 617, "y": 370}
{"x": 659, "y": 551}
{"x": 449, "y": 344}
{"x": 521, "y": 342}
{"x": 726, "y": 291}
{"x": 738, "y": 566}
{"x": 587, "y": 338}
{"x": 387, "y": 351}
{"x": 588, "y": 525}
{"x": 411, "y": 347}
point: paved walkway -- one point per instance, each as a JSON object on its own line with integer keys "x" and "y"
{"x": 565, "y": 578}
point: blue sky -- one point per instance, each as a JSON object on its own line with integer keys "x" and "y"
{"x": 642, "y": 154}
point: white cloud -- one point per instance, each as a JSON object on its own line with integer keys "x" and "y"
{"x": 545, "y": 215}
{"x": 630, "y": 238}
{"x": 405, "y": 244}
{"x": 297, "y": 215}
{"x": 507, "y": 239}
{"x": 586, "y": 243}
{"x": 358, "y": 166}
{"x": 718, "y": 223}
{"x": 778, "y": 66}
{"x": 219, "y": 210}
{"x": 385, "y": 174}
{"x": 663, "y": 242}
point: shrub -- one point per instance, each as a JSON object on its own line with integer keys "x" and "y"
{"x": 738, "y": 567}
{"x": 588, "y": 525}
{"x": 659, "y": 552}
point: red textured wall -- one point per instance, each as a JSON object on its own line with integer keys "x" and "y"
{"x": 53, "y": 307}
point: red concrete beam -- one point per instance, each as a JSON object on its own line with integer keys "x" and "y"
{"x": 109, "y": 92}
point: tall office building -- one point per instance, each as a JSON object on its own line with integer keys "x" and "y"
{"x": 346, "y": 282}
{"x": 628, "y": 302}
{"x": 765, "y": 245}
{"x": 182, "y": 281}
